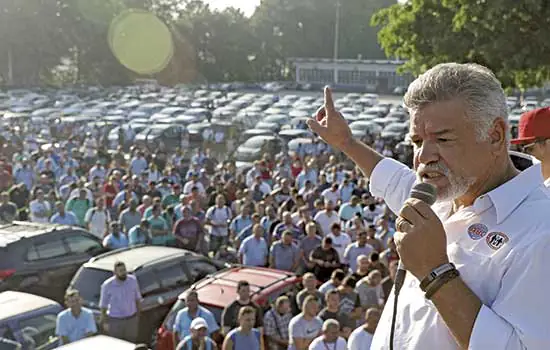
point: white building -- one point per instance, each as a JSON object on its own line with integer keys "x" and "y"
{"x": 375, "y": 75}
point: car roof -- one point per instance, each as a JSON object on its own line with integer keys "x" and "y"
{"x": 17, "y": 230}
{"x": 220, "y": 289}
{"x": 15, "y": 303}
{"x": 136, "y": 257}
{"x": 99, "y": 342}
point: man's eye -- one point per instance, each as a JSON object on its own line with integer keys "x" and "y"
{"x": 442, "y": 140}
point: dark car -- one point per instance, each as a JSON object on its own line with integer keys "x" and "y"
{"x": 41, "y": 258}
{"x": 28, "y": 321}
{"x": 220, "y": 289}
{"x": 168, "y": 134}
{"x": 163, "y": 273}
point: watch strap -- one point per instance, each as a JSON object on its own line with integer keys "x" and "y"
{"x": 438, "y": 271}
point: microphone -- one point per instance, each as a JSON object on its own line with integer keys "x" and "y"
{"x": 428, "y": 194}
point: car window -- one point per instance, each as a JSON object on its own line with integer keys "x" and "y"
{"x": 6, "y": 333}
{"x": 88, "y": 283}
{"x": 82, "y": 245}
{"x": 38, "y": 332}
{"x": 172, "y": 275}
{"x": 200, "y": 268}
{"x": 52, "y": 248}
{"x": 148, "y": 282}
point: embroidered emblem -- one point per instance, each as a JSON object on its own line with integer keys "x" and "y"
{"x": 495, "y": 240}
{"x": 477, "y": 231}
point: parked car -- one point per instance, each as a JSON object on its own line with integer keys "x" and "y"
{"x": 163, "y": 273}
{"x": 168, "y": 134}
{"x": 42, "y": 258}
{"x": 28, "y": 320}
{"x": 99, "y": 342}
{"x": 220, "y": 289}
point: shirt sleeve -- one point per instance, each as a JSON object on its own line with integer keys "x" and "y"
{"x": 61, "y": 326}
{"x": 392, "y": 181}
{"x": 105, "y": 296}
{"x": 518, "y": 318}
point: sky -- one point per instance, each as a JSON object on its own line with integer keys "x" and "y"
{"x": 247, "y": 6}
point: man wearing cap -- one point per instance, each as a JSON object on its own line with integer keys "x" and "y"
{"x": 198, "y": 339}
{"x": 183, "y": 324}
{"x": 533, "y": 136}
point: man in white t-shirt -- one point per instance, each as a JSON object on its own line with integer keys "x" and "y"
{"x": 332, "y": 193}
{"x": 98, "y": 219}
{"x": 361, "y": 338}
{"x": 326, "y": 217}
{"x": 330, "y": 339}
{"x": 217, "y": 221}
{"x": 40, "y": 208}
{"x": 340, "y": 240}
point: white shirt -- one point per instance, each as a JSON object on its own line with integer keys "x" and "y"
{"x": 39, "y": 207}
{"x": 326, "y": 221}
{"x": 359, "y": 339}
{"x": 98, "y": 220}
{"x": 507, "y": 267}
{"x": 319, "y": 344}
{"x": 340, "y": 243}
{"x": 330, "y": 195}
{"x": 189, "y": 186}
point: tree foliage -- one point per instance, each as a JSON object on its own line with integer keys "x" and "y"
{"x": 508, "y": 36}
{"x": 37, "y": 37}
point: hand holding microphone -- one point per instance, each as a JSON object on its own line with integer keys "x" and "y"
{"x": 420, "y": 238}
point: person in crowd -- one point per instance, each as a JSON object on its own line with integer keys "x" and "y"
{"x": 76, "y": 322}
{"x": 129, "y": 217}
{"x": 98, "y": 219}
{"x": 254, "y": 250}
{"x": 8, "y": 210}
{"x": 363, "y": 267}
{"x": 308, "y": 244}
{"x": 340, "y": 240}
{"x": 217, "y": 219}
{"x": 326, "y": 217}
{"x": 120, "y": 303}
{"x": 188, "y": 231}
{"x": 230, "y": 312}
{"x": 305, "y": 326}
{"x": 350, "y": 303}
{"x": 284, "y": 254}
{"x": 326, "y": 260}
{"x": 310, "y": 288}
{"x": 356, "y": 249}
{"x": 198, "y": 337}
{"x": 40, "y": 208}
{"x": 276, "y": 322}
{"x": 370, "y": 290}
{"x": 159, "y": 228}
{"x": 330, "y": 339}
{"x": 63, "y": 217}
{"x": 116, "y": 239}
{"x": 140, "y": 234}
{"x": 79, "y": 206}
{"x": 245, "y": 336}
{"x": 332, "y": 311}
{"x": 334, "y": 282}
{"x": 183, "y": 324}
{"x": 361, "y": 338}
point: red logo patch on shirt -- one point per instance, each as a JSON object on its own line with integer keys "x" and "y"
{"x": 477, "y": 231}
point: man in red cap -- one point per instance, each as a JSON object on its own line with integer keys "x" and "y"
{"x": 533, "y": 137}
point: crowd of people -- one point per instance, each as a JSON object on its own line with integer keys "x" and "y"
{"x": 311, "y": 213}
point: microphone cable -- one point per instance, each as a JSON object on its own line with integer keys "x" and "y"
{"x": 398, "y": 283}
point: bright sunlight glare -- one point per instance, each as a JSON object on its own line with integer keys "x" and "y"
{"x": 247, "y": 6}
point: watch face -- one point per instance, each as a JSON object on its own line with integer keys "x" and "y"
{"x": 521, "y": 161}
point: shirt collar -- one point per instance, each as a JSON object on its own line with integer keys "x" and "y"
{"x": 508, "y": 196}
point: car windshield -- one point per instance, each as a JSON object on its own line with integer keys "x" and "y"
{"x": 89, "y": 283}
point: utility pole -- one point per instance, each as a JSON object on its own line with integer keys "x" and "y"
{"x": 336, "y": 40}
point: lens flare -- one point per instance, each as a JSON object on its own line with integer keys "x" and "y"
{"x": 141, "y": 41}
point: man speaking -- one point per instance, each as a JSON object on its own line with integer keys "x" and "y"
{"x": 478, "y": 260}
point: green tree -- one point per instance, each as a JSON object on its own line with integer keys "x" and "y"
{"x": 507, "y": 36}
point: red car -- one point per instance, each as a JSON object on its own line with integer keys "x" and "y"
{"x": 220, "y": 289}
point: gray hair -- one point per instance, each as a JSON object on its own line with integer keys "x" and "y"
{"x": 330, "y": 323}
{"x": 475, "y": 85}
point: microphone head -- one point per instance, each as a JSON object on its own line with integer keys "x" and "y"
{"x": 425, "y": 192}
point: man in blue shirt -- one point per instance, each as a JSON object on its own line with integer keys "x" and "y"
{"x": 115, "y": 239}
{"x": 63, "y": 217}
{"x": 254, "y": 250}
{"x": 182, "y": 324}
{"x": 76, "y": 322}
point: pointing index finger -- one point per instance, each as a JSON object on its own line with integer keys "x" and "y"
{"x": 329, "y": 103}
